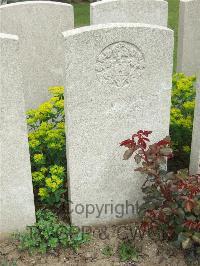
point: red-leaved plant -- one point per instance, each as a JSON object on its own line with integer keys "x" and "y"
{"x": 171, "y": 201}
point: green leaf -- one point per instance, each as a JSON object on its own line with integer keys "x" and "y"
{"x": 196, "y": 237}
{"x": 137, "y": 158}
{"x": 167, "y": 211}
{"x": 181, "y": 213}
{"x": 187, "y": 243}
{"x": 191, "y": 217}
{"x": 198, "y": 250}
{"x": 43, "y": 247}
{"x": 49, "y": 233}
{"x": 128, "y": 253}
{"x": 196, "y": 209}
{"x": 128, "y": 153}
{"x": 53, "y": 242}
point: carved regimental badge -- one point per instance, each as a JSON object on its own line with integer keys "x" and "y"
{"x": 119, "y": 63}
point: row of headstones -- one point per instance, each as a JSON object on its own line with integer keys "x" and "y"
{"x": 117, "y": 80}
{"x": 39, "y": 26}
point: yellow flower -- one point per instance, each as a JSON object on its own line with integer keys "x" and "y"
{"x": 43, "y": 192}
{"x": 54, "y": 99}
{"x": 34, "y": 143}
{"x": 186, "y": 149}
{"x": 57, "y": 170}
{"x": 43, "y": 170}
{"x": 189, "y": 106}
{"x": 48, "y": 181}
{"x": 39, "y": 158}
{"x": 59, "y": 104}
{"x": 47, "y": 143}
{"x": 61, "y": 125}
{"x": 45, "y": 126}
{"x": 44, "y": 111}
{"x": 52, "y": 146}
{"x": 56, "y": 90}
{"x": 57, "y": 180}
{"x": 30, "y": 112}
{"x": 51, "y": 184}
{"x": 31, "y": 121}
{"x": 38, "y": 176}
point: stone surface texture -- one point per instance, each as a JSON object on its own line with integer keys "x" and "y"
{"x": 129, "y": 11}
{"x": 195, "y": 148}
{"x": 16, "y": 193}
{"x": 188, "y": 60}
{"x": 118, "y": 86}
{"x": 39, "y": 25}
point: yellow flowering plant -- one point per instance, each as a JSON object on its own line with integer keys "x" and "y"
{"x": 182, "y": 112}
{"x": 47, "y": 144}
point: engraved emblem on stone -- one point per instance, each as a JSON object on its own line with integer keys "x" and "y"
{"x": 119, "y": 64}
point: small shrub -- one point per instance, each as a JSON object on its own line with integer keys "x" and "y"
{"x": 48, "y": 233}
{"x": 48, "y": 149}
{"x": 171, "y": 205}
{"x": 128, "y": 253}
{"x": 182, "y": 112}
{"x": 107, "y": 251}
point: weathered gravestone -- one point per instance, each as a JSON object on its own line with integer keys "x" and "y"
{"x": 3, "y": 2}
{"x": 195, "y": 149}
{"x": 16, "y": 193}
{"x": 189, "y": 38}
{"x": 137, "y": 11}
{"x": 118, "y": 85}
{"x": 39, "y": 24}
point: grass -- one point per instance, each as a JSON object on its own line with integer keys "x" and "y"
{"x": 128, "y": 253}
{"x": 107, "y": 251}
{"x": 82, "y": 18}
{"x": 81, "y": 14}
{"x": 173, "y": 24}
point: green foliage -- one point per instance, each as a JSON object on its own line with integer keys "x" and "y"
{"x": 48, "y": 149}
{"x": 48, "y": 233}
{"x": 172, "y": 209}
{"x": 173, "y": 14}
{"x": 128, "y": 253}
{"x": 107, "y": 251}
{"x": 81, "y": 14}
{"x": 171, "y": 206}
{"x": 182, "y": 112}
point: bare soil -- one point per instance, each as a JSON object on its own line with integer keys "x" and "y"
{"x": 152, "y": 252}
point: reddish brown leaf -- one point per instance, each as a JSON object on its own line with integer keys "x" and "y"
{"x": 128, "y": 153}
{"x": 189, "y": 205}
{"x": 128, "y": 143}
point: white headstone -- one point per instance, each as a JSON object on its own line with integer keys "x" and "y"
{"x": 188, "y": 60}
{"x": 118, "y": 81}
{"x": 195, "y": 148}
{"x": 16, "y": 192}
{"x": 3, "y": 2}
{"x": 136, "y": 11}
{"x": 39, "y": 24}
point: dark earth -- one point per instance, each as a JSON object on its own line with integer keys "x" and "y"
{"x": 152, "y": 252}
